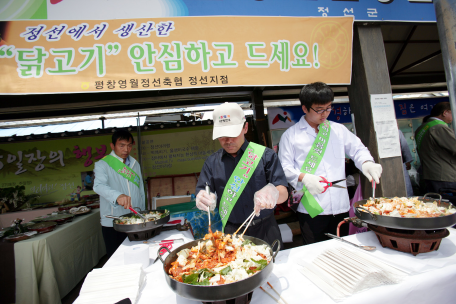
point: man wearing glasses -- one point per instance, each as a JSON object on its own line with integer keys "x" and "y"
{"x": 314, "y": 148}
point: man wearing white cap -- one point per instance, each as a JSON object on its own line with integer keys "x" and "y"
{"x": 243, "y": 177}
{"x": 315, "y": 148}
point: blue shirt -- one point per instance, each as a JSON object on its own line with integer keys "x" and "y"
{"x": 88, "y": 180}
{"x": 217, "y": 170}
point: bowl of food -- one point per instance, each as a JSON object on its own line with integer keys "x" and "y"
{"x": 410, "y": 213}
{"x": 43, "y": 227}
{"x": 132, "y": 222}
{"x": 58, "y": 218}
{"x": 16, "y": 238}
{"x": 70, "y": 206}
{"x": 219, "y": 267}
{"x": 79, "y": 210}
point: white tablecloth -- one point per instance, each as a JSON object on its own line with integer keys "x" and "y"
{"x": 432, "y": 278}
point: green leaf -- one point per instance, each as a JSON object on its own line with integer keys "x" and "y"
{"x": 225, "y": 270}
{"x": 247, "y": 242}
{"x": 262, "y": 263}
{"x": 206, "y": 273}
{"x": 204, "y": 282}
{"x": 251, "y": 271}
{"x": 191, "y": 279}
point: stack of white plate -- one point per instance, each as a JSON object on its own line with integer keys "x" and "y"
{"x": 112, "y": 284}
{"x": 341, "y": 272}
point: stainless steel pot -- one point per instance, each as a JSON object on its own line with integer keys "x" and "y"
{"x": 431, "y": 223}
{"x": 219, "y": 292}
{"x": 141, "y": 226}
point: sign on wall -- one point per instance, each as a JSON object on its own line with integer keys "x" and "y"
{"x": 172, "y": 53}
{"x": 285, "y": 117}
{"x": 54, "y": 168}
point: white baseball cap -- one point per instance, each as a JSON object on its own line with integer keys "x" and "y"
{"x": 229, "y": 119}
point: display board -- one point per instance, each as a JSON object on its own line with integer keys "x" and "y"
{"x": 172, "y": 53}
{"x": 54, "y": 168}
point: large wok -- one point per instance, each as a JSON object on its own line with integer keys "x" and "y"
{"x": 141, "y": 226}
{"x": 431, "y": 223}
{"x": 219, "y": 292}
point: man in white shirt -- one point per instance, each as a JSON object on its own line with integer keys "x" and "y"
{"x": 328, "y": 208}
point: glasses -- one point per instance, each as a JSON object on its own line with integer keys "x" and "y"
{"x": 325, "y": 110}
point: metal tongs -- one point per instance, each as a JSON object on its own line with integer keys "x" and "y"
{"x": 208, "y": 190}
{"x": 139, "y": 214}
{"x": 367, "y": 248}
{"x": 374, "y": 185}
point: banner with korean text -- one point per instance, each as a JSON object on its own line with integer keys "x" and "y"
{"x": 54, "y": 168}
{"x": 172, "y": 53}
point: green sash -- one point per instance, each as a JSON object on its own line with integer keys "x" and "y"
{"x": 421, "y": 132}
{"x": 124, "y": 170}
{"x": 239, "y": 179}
{"x": 310, "y": 165}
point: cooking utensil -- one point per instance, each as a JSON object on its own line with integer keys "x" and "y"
{"x": 218, "y": 292}
{"x": 113, "y": 217}
{"x": 247, "y": 226}
{"x": 331, "y": 184}
{"x": 166, "y": 241}
{"x": 142, "y": 226}
{"x": 269, "y": 295}
{"x": 277, "y": 293}
{"x": 374, "y": 185}
{"x": 139, "y": 214}
{"x": 168, "y": 244}
{"x": 208, "y": 191}
{"x": 367, "y": 248}
{"x": 250, "y": 216}
{"x": 407, "y": 223}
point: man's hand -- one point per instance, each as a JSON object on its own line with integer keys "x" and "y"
{"x": 312, "y": 183}
{"x": 265, "y": 198}
{"x": 204, "y": 200}
{"x": 408, "y": 166}
{"x": 124, "y": 200}
{"x": 372, "y": 171}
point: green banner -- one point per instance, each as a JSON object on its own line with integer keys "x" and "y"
{"x": 121, "y": 168}
{"x": 310, "y": 166}
{"x": 53, "y": 168}
{"x": 239, "y": 179}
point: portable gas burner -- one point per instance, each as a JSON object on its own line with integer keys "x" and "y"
{"x": 245, "y": 299}
{"x": 410, "y": 241}
{"x": 148, "y": 234}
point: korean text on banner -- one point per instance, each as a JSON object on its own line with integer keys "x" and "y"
{"x": 172, "y": 53}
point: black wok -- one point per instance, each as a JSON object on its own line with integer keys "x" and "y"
{"x": 219, "y": 292}
{"x": 141, "y": 226}
{"x": 431, "y": 223}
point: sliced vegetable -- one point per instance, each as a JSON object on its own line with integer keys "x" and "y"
{"x": 225, "y": 270}
{"x": 247, "y": 242}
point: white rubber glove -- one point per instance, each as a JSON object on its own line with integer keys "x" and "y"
{"x": 372, "y": 171}
{"x": 312, "y": 183}
{"x": 204, "y": 200}
{"x": 265, "y": 198}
